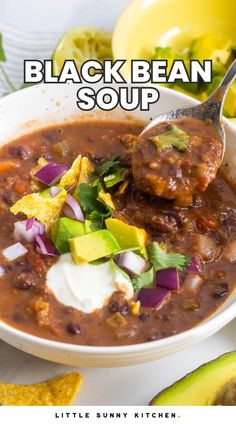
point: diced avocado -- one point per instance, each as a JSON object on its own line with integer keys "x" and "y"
{"x": 93, "y": 246}
{"x": 165, "y": 53}
{"x": 230, "y": 101}
{"x": 87, "y": 226}
{"x": 46, "y": 193}
{"x": 214, "y": 383}
{"x": 64, "y": 229}
{"x": 190, "y": 87}
{"x": 212, "y": 47}
{"x": 128, "y": 236}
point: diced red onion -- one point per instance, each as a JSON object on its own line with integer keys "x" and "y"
{"x": 45, "y": 246}
{"x": 51, "y": 173}
{"x": 72, "y": 209}
{"x": 2, "y": 271}
{"x": 54, "y": 191}
{"x": 14, "y": 252}
{"x": 192, "y": 282}
{"x": 168, "y": 278}
{"x": 195, "y": 265}
{"x": 29, "y": 223}
{"x": 131, "y": 262}
{"x": 28, "y": 229}
{"x": 151, "y": 298}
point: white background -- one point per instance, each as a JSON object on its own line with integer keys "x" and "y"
{"x": 126, "y": 386}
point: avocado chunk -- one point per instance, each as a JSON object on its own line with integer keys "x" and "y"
{"x": 128, "y": 236}
{"x": 214, "y": 383}
{"x": 64, "y": 229}
{"x": 93, "y": 246}
{"x": 212, "y": 47}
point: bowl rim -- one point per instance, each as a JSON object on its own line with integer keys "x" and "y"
{"x": 210, "y": 325}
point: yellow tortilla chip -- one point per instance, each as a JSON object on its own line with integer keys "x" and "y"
{"x": 85, "y": 169}
{"x": 45, "y": 209}
{"x": 59, "y": 391}
{"x": 70, "y": 177}
{"x": 106, "y": 198}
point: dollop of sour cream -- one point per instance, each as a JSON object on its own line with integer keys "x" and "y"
{"x": 86, "y": 287}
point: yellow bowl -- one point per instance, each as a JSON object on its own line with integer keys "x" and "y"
{"x": 145, "y": 24}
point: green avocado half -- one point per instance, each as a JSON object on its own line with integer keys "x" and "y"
{"x": 214, "y": 383}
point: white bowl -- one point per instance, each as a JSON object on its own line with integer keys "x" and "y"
{"x": 44, "y": 105}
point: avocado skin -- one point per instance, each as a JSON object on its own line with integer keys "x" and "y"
{"x": 202, "y": 386}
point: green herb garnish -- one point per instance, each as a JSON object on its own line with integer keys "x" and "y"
{"x": 95, "y": 210}
{"x": 143, "y": 280}
{"x": 162, "y": 259}
{"x": 173, "y": 137}
{"x": 110, "y": 172}
{"x": 106, "y": 167}
{"x": 118, "y": 175}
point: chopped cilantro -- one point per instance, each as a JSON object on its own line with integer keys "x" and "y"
{"x": 117, "y": 176}
{"x": 143, "y": 280}
{"x": 95, "y": 210}
{"x": 162, "y": 259}
{"x": 173, "y": 137}
{"x": 106, "y": 167}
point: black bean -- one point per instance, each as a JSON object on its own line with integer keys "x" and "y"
{"x": 113, "y": 306}
{"x": 144, "y": 316}
{"x": 51, "y": 135}
{"x": 124, "y": 309}
{"x": 22, "y": 152}
{"x": 219, "y": 238}
{"x": 153, "y": 336}
{"x": 25, "y": 280}
{"x": 18, "y": 317}
{"x": 10, "y": 197}
{"x": 73, "y": 328}
{"x": 221, "y": 290}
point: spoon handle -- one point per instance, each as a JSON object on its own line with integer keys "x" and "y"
{"x": 219, "y": 94}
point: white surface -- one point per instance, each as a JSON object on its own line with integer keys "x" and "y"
{"x": 84, "y": 286}
{"x": 135, "y": 385}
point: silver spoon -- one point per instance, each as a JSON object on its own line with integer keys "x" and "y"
{"x": 211, "y": 109}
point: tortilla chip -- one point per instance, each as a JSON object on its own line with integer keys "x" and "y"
{"x": 106, "y": 199}
{"x": 70, "y": 177}
{"x": 85, "y": 169}
{"x": 45, "y": 209}
{"x": 59, "y": 391}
